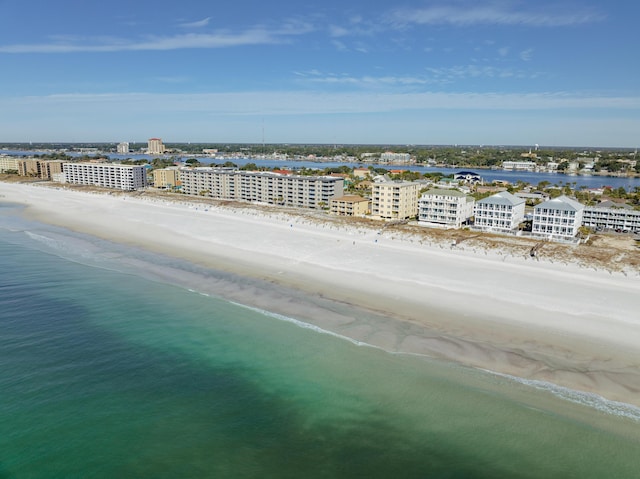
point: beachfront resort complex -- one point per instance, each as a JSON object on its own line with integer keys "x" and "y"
{"x": 444, "y": 204}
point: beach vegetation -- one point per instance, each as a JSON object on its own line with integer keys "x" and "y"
{"x": 554, "y": 192}
{"x": 161, "y": 162}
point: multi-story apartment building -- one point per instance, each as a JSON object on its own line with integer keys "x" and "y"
{"x": 51, "y": 169}
{"x": 398, "y": 158}
{"x": 502, "y": 212}
{"x": 44, "y": 169}
{"x": 261, "y": 186}
{"x": 445, "y": 208}
{"x": 519, "y": 165}
{"x": 28, "y": 167}
{"x": 350, "y": 205}
{"x": 166, "y": 178}
{"x": 155, "y": 146}
{"x": 8, "y": 163}
{"x": 123, "y": 148}
{"x": 558, "y": 218}
{"x": 611, "y": 216}
{"x": 107, "y": 175}
{"x": 394, "y": 200}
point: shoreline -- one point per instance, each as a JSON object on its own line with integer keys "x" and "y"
{"x": 566, "y": 325}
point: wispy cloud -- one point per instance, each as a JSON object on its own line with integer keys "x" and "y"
{"x": 432, "y": 76}
{"x": 492, "y": 14}
{"x": 172, "y": 79}
{"x": 197, "y": 24}
{"x": 312, "y": 102}
{"x": 369, "y": 80}
{"x": 526, "y": 55}
{"x": 221, "y": 39}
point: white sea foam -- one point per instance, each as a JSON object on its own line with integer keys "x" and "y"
{"x": 46, "y": 240}
{"x": 591, "y": 400}
{"x": 304, "y": 325}
{"x": 79, "y": 248}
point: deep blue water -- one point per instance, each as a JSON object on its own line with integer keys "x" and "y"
{"x": 106, "y": 372}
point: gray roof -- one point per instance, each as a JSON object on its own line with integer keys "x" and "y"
{"x": 562, "y": 203}
{"x": 501, "y": 198}
{"x": 444, "y": 192}
{"x": 612, "y": 204}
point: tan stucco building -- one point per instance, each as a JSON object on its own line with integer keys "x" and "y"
{"x": 394, "y": 200}
{"x": 350, "y": 205}
{"x": 166, "y": 178}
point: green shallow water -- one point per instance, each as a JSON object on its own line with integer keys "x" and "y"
{"x": 107, "y": 374}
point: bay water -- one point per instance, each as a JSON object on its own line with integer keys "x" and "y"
{"x": 109, "y": 369}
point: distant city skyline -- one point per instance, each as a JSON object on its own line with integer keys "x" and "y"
{"x": 554, "y": 73}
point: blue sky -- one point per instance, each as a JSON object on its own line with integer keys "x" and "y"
{"x": 555, "y": 73}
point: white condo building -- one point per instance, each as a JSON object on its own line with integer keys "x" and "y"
{"x": 122, "y": 148}
{"x": 502, "y": 212}
{"x": 107, "y": 175}
{"x": 390, "y": 157}
{"x": 558, "y": 219}
{"x": 445, "y": 208}
{"x": 611, "y": 216}
{"x": 261, "y": 186}
{"x": 519, "y": 165}
{"x": 394, "y": 200}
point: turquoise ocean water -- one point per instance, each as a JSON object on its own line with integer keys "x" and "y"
{"x": 108, "y": 372}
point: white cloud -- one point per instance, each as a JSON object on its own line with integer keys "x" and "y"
{"x": 526, "y": 55}
{"x": 223, "y": 39}
{"x": 318, "y": 117}
{"x": 309, "y": 102}
{"x": 340, "y": 46}
{"x": 491, "y": 14}
{"x": 336, "y": 31}
{"x": 198, "y": 24}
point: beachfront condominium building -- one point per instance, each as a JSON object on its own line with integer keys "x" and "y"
{"x": 350, "y": 205}
{"x": 394, "y": 200}
{"x": 445, "y": 208}
{"x": 612, "y": 217}
{"x": 155, "y": 146}
{"x": 28, "y": 167}
{"x": 107, "y": 175}
{"x": 261, "y": 186}
{"x": 122, "y": 148}
{"x": 43, "y": 169}
{"x": 502, "y": 212}
{"x": 167, "y": 178}
{"x": 558, "y": 219}
{"x": 51, "y": 169}
{"x": 8, "y": 163}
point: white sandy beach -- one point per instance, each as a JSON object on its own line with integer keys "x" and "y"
{"x": 561, "y": 323}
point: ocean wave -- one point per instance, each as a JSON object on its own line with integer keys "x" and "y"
{"x": 304, "y": 325}
{"x": 588, "y": 399}
{"x": 591, "y": 400}
{"x": 46, "y": 240}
